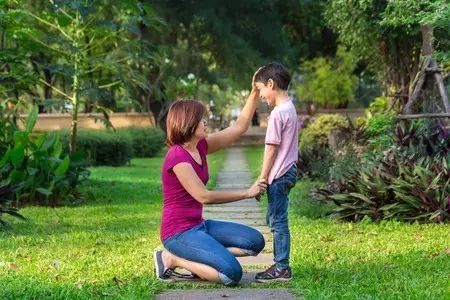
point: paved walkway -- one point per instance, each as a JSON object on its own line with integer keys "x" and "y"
{"x": 235, "y": 174}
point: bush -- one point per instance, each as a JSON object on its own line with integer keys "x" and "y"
{"x": 102, "y": 147}
{"x": 378, "y": 106}
{"x": 409, "y": 181}
{"x": 35, "y": 166}
{"x": 315, "y": 156}
{"x": 147, "y": 142}
{"x": 7, "y": 126}
{"x": 316, "y": 134}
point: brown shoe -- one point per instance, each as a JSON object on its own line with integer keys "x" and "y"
{"x": 274, "y": 274}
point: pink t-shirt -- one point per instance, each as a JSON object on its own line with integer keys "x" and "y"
{"x": 282, "y": 130}
{"x": 180, "y": 210}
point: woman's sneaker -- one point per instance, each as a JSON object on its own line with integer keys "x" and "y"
{"x": 160, "y": 271}
{"x": 274, "y": 274}
{"x": 170, "y": 274}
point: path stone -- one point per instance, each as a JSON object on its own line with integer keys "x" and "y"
{"x": 235, "y": 294}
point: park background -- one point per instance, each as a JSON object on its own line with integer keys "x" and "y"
{"x": 84, "y": 91}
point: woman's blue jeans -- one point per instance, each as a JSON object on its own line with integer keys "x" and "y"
{"x": 207, "y": 243}
{"x": 277, "y": 216}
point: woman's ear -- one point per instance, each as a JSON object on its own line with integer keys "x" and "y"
{"x": 270, "y": 83}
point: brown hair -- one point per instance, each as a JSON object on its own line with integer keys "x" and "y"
{"x": 182, "y": 121}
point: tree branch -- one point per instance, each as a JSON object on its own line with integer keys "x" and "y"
{"x": 56, "y": 89}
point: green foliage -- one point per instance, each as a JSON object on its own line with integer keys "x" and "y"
{"x": 116, "y": 147}
{"x": 315, "y": 136}
{"x": 378, "y": 105}
{"x": 147, "y": 142}
{"x": 181, "y": 88}
{"x": 380, "y": 130}
{"x": 7, "y": 125}
{"x": 6, "y": 198}
{"x": 315, "y": 158}
{"x": 34, "y": 164}
{"x": 103, "y": 148}
{"x": 344, "y": 162}
{"x": 386, "y": 36}
{"x": 328, "y": 82}
{"x": 408, "y": 181}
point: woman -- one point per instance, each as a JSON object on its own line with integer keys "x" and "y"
{"x": 207, "y": 248}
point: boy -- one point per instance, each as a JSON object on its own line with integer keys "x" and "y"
{"x": 279, "y": 164}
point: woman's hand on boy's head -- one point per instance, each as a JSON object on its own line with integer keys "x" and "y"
{"x": 254, "y": 88}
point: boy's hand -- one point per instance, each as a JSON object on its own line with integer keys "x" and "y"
{"x": 257, "y": 189}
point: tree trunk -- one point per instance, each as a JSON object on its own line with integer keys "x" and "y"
{"x": 76, "y": 85}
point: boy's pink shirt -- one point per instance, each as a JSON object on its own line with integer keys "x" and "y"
{"x": 282, "y": 130}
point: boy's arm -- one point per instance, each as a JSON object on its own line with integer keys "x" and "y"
{"x": 270, "y": 153}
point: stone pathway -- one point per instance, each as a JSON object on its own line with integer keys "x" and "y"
{"x": 235, "y": 174}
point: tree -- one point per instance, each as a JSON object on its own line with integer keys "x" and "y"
{"x": 386, "y": 35}
{"x": 328, "y": 82}
{"x": 85, "y": 44}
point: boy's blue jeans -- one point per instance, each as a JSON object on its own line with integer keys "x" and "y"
{"x": 277, "y": 215}
{"x": 207, "y": 243}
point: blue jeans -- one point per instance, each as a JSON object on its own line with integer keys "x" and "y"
{"x": 277, "y": 216}
{"x": 207, "y": 243}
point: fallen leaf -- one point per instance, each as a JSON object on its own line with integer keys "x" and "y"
{"x": 13, "y": 267}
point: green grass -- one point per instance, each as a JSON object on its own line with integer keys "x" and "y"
{"x": 103, "y": 248}
{"x": 99, "y": 249}
{"x": 337, "y": 260}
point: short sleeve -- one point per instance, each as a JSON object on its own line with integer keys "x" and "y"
{"x": 274, "y": 128}
{"x": 175, "y": 156}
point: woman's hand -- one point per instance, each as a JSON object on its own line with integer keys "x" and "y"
{"x": 258, "y": 188}
{"x": 255, "y": 90}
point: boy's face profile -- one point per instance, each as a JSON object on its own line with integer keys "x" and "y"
{"x": 267, "y": 91}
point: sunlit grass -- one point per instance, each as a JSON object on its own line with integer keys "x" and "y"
{"x": 101, "y": 248}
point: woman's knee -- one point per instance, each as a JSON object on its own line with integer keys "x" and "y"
{"x": 231, "y": 274}
{"x": 258, "y": 243}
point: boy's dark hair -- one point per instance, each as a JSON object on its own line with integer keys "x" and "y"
{"x": 275, "y": 71}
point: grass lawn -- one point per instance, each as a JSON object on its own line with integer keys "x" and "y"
{"x": 99, "y": 249}
{"x": 103, "y": 248}
{"x": 337, "y": 260}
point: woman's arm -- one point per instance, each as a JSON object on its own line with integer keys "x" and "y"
{"x": 195, "y": 187}
{"x": 226, "y": 137}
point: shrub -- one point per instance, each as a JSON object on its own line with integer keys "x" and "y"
{"x": 34, "y": 164}
{"x": 378, "y": 106}
{"x": 315, "y": 157}
{"x": 147, "y": 142}
{"x": 410, "y": 180}
{"x": 116, "y": 147}
{"x": 7, "y": 126}
{"x": 102, "y": 147}
{"x": 379, "y": 132}
{"x": 6, "y": 196}
{"x": 316, "y": 134}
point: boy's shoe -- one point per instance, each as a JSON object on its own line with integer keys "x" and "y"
{"x": 160, "y": 272}
{"x": 273, "y": 274}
